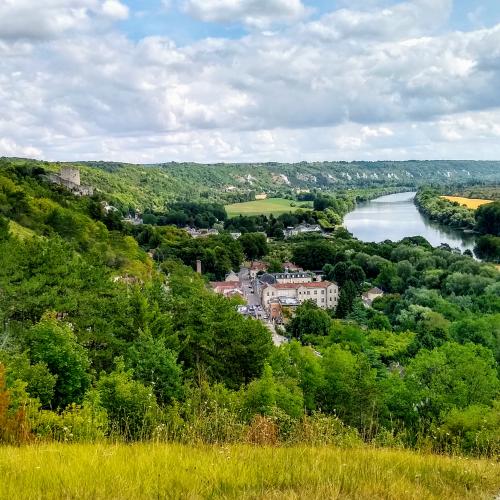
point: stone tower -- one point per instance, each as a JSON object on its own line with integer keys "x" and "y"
{"x": 71, "y": 175}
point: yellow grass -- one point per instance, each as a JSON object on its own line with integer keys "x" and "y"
{"x": 143, "y": 471}
{"x": 473, "y": 203}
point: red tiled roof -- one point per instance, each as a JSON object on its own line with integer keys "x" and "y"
{"x": 261, "y": 266}
{"x": 225, "y": 284}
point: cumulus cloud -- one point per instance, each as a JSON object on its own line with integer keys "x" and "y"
{"x": 299, "y": 93}
{"x": 115, "y": 9}
{"x": 33, "y": 19}
{"x": 403, "y": 20}
{"x": 257, "y": 13}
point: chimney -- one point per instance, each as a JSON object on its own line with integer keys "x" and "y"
{"x": 198, "y": 266}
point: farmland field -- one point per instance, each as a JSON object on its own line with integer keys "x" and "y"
{"x": 472, "y": 203}
{"x": 274, "y": 206}
{"x": 239, "y": 471}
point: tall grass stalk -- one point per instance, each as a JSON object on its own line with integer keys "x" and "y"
{"x": 138, "y": 471}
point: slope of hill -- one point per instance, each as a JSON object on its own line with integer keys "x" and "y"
{"x": 152, "y": 186}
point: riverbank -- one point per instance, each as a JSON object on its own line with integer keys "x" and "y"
{"x": 396, "y": 217}
{"x": 177, "y": 471}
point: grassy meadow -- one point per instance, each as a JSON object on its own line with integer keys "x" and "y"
{"x": 473, "y": 203}
{"x": 274, "y": 206}
{"x": 239, "y": 471}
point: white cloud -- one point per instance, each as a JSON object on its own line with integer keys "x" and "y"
{"x": 37, "y": 20}
{"x": 115, "y": 9}
{"x": 256, "y": 13}
{"x": 323, "y": 89}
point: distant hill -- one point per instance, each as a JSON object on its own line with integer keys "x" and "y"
{"x": 153, "y": 185}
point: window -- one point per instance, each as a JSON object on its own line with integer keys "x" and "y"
{"x": 315, "y": 292}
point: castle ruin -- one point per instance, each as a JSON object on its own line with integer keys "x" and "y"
{"x": 69, "y": 177}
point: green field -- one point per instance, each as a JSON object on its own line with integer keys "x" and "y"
{"x": 54, "y": 471}
{"x": 274, "y": 206}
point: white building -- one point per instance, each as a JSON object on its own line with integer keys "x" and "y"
{"x": 325, "y": 293}
{"x": 293, "y": 277}
{"x": 290, "y": 232}
{"x": 372, "y": 294}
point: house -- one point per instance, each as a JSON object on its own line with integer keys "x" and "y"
{"x": 325, "y": 294}
{"x": 282, "y": 309}
{"x": 257, "y": 267}
{"x": 290, "y": 232}
{"x": 235, "y": 236}
{"x": 232, "y": 277}
{"x": 297, "y": 277}
{"x": 227, "y": 288}
{"x": 372, "y": 294}
{"x": 201, "y": 233}
{"x": 136, "y": 220}
{"x": 261, "y": 196}
{"x": 290, "y": 267}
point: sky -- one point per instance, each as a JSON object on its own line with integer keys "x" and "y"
{"x": 249, "y": 80}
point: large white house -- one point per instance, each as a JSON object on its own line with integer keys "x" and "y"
{"x": 324, "y": 293}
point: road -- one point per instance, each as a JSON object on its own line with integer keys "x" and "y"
{"x": 253, "y": 299}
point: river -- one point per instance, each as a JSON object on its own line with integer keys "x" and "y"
{"x": 395, "y": 217}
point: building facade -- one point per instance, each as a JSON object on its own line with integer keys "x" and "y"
{"x": 324, "y": 294}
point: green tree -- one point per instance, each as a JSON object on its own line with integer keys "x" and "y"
{"x": 488, "y": 218}
{"x": 309, "y": 321}
{"x": 4, "y": 228}
{"x": 314, "y": 254}
{"x": 155, "y": 365}
{"x": 53, "y": 343}
{"x": 130, "y": 404}
{"x": 348, "y": 294}
{"x": 350, "y": 389}
{"x": 451, "y": 376}
{"x": 254, "y": 245}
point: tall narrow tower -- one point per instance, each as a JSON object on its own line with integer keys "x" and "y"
{"x": 71, "y": 175}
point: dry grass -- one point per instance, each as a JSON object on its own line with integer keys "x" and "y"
{"x": 473, "y": 203}
{"x": 176, "y": 471}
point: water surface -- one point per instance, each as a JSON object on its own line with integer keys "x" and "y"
{"x": 395, "y": 217}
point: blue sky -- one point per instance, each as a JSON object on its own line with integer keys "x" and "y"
{"x": 151, "y": 17}
{"x": 250, "y": 80}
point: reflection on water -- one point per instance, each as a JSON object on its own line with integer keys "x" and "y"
{"x": 395, "y": 217}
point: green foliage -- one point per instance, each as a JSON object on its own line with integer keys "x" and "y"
{"x": 347, "y": 296}
{"x": 488, "y": 219}
{"x": 309, "y": 320}
{"x": 129, "y": 404}
{"x": 350, "y": 389}
{"x": 451, "y": 376}
{"x": 254, "y": 245}
{"x": 77, "y": 291}
{"x": 54, "y": 344}
{"x": 442, "y": 210}
{"x": 155, "y": 365}
{"x": 488, "y": 248}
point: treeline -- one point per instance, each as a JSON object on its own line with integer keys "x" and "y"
{"x": 181, "y": 214}
{"x": 485, "y": 220}
{"x": 450, "y": 213}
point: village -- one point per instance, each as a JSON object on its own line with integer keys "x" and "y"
{"x": 273, "y": 298}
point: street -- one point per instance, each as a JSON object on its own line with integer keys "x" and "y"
{"x": 253, "y": 299}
